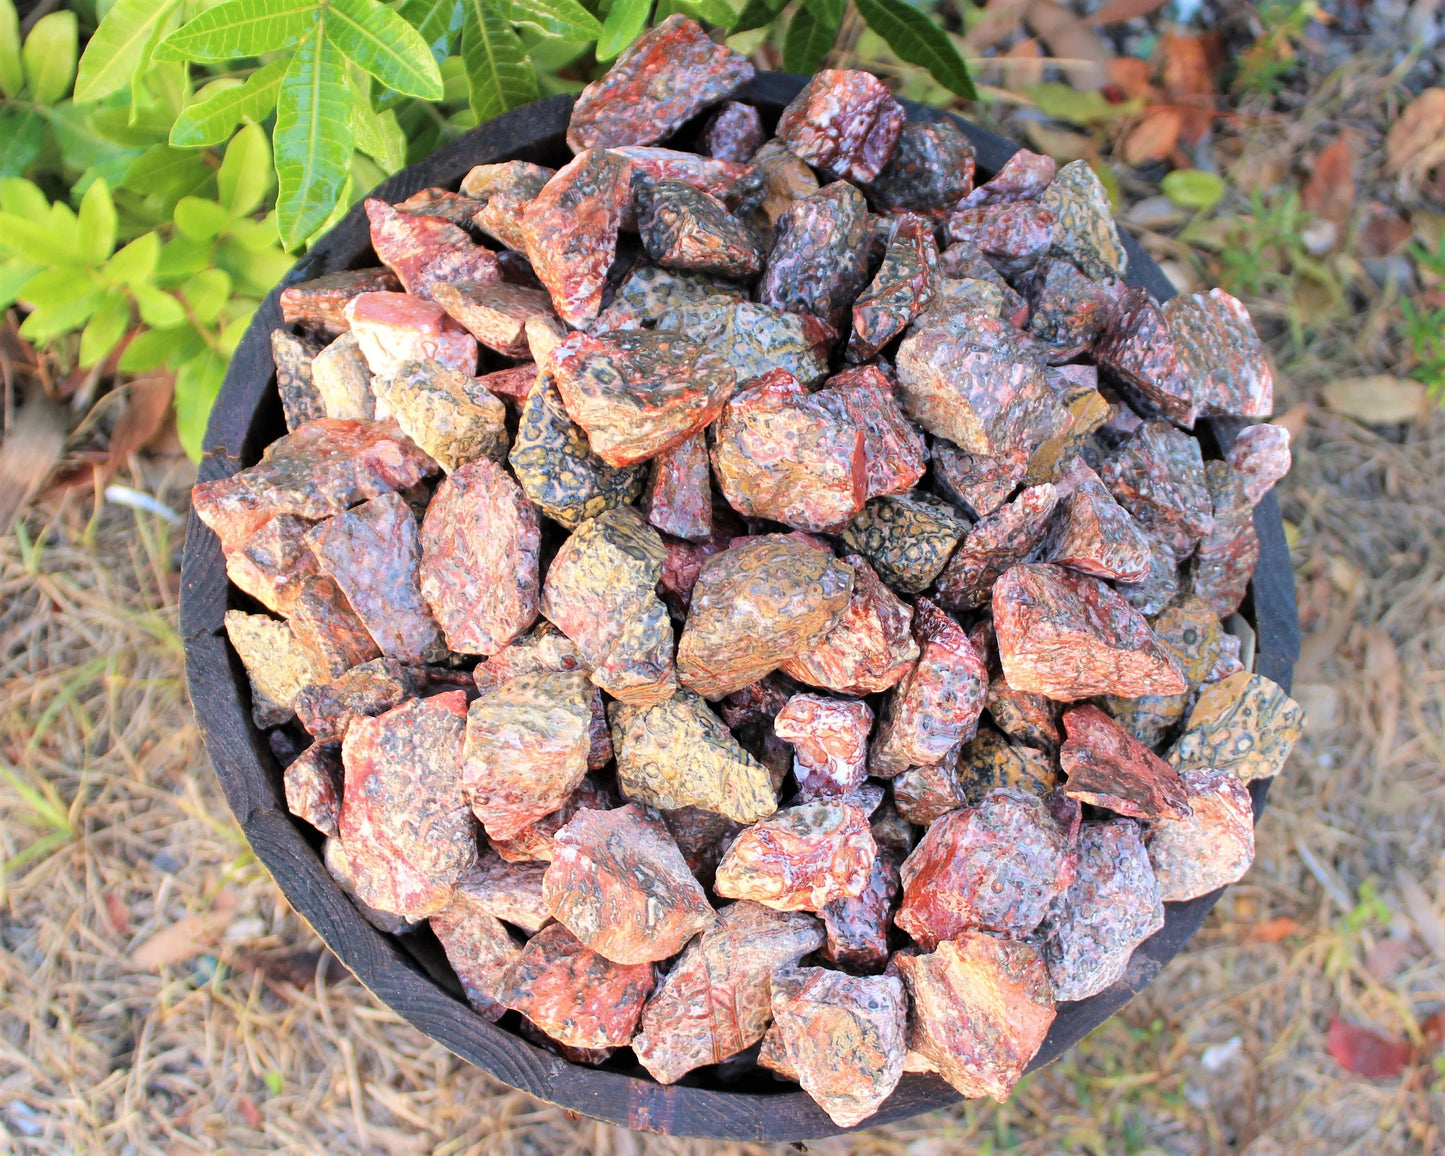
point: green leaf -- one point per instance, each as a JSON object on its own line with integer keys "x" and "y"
{"x": 1066, "y": 103}
{"x": 134, "y": 264}
{"x": 717, "y": 12}
{"x": 625, "y": 21}
{"x": 158, "y": 309}
{"x": 117, "y": 50}
{"x": 1193, "y": 189}
{"x": 22, "y": 136}
{"x": 244, "y": 177}
{"x": 97, "y": 224}
{"x": 148, "y": 350}
{"x": 313, "y": 138}
{"x": 377, "y": 134}
{"x": 375, "y": 37}
{"x": 499, "y": 71}
{"x": 23, "y": 198}
{"x": 811, "y": 34}
{"x": 564, "y": 19}
{"x": 212, "y": 120}
{"x": 758, "y": 14}
{"x": 107, "y": 325}
{"x": 236, "y": 28}
{"x": 198, "y": 383}
{"x": 15, "y": 274}
{"x": 47, "y": 323}
{"x": 170, "y": 80}
{"x": 12, "y": 70}
{"x": 206, "y": 294}
{"x": 918, "y": 40}
{"x": 55, "y": 288}
{"x": 45, "y": 241}
{"x": 50, "y": 56}
{"x": 168, "y": 174}
{"x": 198, "y": 219}
{"x": 254, "y": 271}
{"x": 439, "y": 22}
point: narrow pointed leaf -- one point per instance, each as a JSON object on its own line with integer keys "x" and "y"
{"x": 117, "y": 50}
{"x": 757, "y": 13}
{"x": 625, "y": 21}
{"x": 717, "y": 12}
{"x": 565, "y": 19}
{"x": 499, "y": 71}
{"x": 385, "y": 45}
{"x": 12, "y": 71}
{"x": 244, "y": 177}
{"x": 918, "y": 40}
{"x": 313, "y": 140}
{"x": 811, "y": 34}
{"x": 439, "y": 22}
{"x": 49, "y": 53}
{"x": 239, "y": 28}
{"x": 22, "y": 136}
{"x": 96, "y": 232}
{"x": 213, "y": 120}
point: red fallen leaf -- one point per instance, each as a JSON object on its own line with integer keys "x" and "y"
{"x": 1433, "y": 1029}
{"x": 117, "y": 913}
{"x": 1274, "y": 930}
{"x": 249, "y": 1112}
{"x": 1383, "y": 232}
{"x": 1130, "y": 76}
{"x": 1366, "y": 1054}
{"x": 1330, "y": 189}
{"x": 148, "y": 402}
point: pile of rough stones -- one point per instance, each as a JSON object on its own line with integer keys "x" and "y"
{"x": 792, "y": 558}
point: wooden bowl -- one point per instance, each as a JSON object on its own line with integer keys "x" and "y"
{"x": 409, "y": 974}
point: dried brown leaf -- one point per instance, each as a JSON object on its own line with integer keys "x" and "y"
{"x": 1422, "y": 912}
{"x": 1330, "y": 189}
{"x": 1274, "y": 930}
{"x": 31, "y": 448}
{"x": 1188, "y": 77}
{"x": 1155, "y": 136}
{"x": 148, "y": 401}
{"x": 185, "y": 937}
{"x": 1001, "y": 20}
{"x": 1380, "y": 399}
{"x": 1081, "y": 51}
{"x": 1130, "y": 76}
{"x": 1420, "y": 132}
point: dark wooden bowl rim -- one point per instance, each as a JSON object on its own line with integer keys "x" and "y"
{"x": 411, "y": 977}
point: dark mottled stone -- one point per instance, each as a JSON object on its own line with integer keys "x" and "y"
{"x": 1158, "y": 476}
{"x": 893, "y": 447}
{"x": 404, "y": 821}
{"x": 1137, "y": 352}
{"x": 844, "y": 121}
{"x": 556, "y": 467}
{"x": 667, "y": 76}
{"x": 1023, "y": 177}
{"x": 1191, "y": 634}
{"x": 755, "y": 606}
{"x": 1224, "y": 562}
{"x": 446, "y": 413}
{"x": 907, "y": 537}
{"x": 899, "y": 292}
{"x": 1014, "y": 237}
{"x": 819, "y": 258}
{"x": 997, "y": 542}
{"x": 312, "y": 782}
{"x": 1243, "y": 724}
{"x": 716, "y": 999}
{"x": 858, "y": 925}
{"x": 976, "y": 483}
{"x": 1111, "y": 907}
{"x": 423, "y": 251}
{"x": 299, "y": 399}
{"x": 996, "y": 866}
{"x": 1220, "y": 354}
{"x": 1093, "y": 533}
{"x": 781, "y": 453}
{"x": 326, "y": 710}
{"x": 678, "y": 500}
{"x": 734, "y": 132}
{"x": 936, "y": 705}
{"x": 989, "y": 761}
{"x": 756, "y": 339}
{"x": 620, "y": 885}
{"x": 931, "y": 170}
{"x": 686, "y": 228}
{"x": 480, "y": 949}
{"x": 1069, "y": 636}
{"x": 1109, "y": 768}
{"x": 1084, "y": 231}
{"x": 373, "y": 552}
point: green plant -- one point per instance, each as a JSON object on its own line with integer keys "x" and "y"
{"x": 1265, "y": 63}
{"x": 154, "y": 176}
{"x": 1424, "y": 327}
